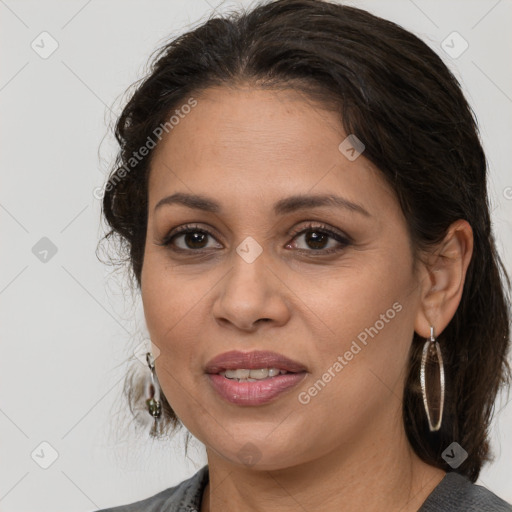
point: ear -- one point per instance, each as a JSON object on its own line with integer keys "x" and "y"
{"x": 442, "y": 284}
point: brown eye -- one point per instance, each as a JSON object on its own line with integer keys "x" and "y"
{"x": 194, "y": 239}
{"x": 316, "y": 239}
{"x": 190, "y": 239}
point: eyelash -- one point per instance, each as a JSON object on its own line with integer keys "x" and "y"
{"x": 317, "y": 228}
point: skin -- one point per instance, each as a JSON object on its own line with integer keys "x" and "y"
{"x": 346, "y": 449}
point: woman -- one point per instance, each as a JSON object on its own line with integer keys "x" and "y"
{"x": 302, "y": 193}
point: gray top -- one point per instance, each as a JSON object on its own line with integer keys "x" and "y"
{"x": 455, "y": 493}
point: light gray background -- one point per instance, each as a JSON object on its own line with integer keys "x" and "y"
{"x": 67, "y": 327}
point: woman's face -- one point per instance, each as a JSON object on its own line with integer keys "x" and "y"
{"x": 343, "y": 306}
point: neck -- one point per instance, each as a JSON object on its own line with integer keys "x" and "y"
{"x": 372, "y": 475}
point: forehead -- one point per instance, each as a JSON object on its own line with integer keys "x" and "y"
{"x": 257, "y": 143}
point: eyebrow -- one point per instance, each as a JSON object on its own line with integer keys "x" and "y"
{"x": 281, "y": 207}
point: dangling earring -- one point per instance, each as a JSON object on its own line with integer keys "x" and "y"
{"x": 153, "y": 390}
{"x": 430, "y": 359}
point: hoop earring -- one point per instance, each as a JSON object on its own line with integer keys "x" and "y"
{"x": 432, "y": 356}
{"x": 153, "y": 390}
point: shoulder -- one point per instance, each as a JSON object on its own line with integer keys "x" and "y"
{"x": 185, "y": 496}
{"x": 456, "y": 493}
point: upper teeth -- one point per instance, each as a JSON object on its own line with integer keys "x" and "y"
{"x": 260, "y": 373}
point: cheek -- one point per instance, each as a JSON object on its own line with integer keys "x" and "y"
{"x": 165, "y": 311}
{"x": 367, "y": 317}
{"x": 174, "y": 310}
{"x": 354, "y": 297}
{"x": 168, "y": 295}
{"x": 170, "y": 309}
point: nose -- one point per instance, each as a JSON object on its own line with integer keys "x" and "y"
{"x": 251, "y": 294}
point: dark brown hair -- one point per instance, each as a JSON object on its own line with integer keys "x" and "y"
{"x": 398, "y": 97}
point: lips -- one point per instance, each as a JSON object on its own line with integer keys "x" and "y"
{"x": 256, "y": 392}
{"x": 252, "y": 360}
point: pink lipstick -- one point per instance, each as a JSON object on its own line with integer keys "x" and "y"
{"x": 253, "y": 378}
